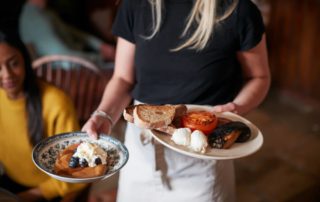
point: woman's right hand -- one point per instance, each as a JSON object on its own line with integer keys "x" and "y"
{"x": 96, "y": 125}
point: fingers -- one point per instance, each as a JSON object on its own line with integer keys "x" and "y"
{"x": 91, "y": 129}
{"x": 92, "y": 133}
{"x": 217, "y": 109}
{"x": 96, "y": 125}
{"x": 229, "y": 107}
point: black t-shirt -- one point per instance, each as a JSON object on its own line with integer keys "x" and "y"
{"x": 211, "y": 76}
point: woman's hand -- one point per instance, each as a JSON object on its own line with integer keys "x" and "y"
{"x": 229, "y": 107}
{"x": 95, "y": 125}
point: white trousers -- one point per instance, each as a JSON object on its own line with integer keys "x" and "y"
{"x": 155, "y": 173}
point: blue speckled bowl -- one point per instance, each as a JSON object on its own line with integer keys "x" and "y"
{"x": 44, "y": 154}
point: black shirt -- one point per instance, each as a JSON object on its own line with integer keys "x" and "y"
{"x": 211, "y": 76}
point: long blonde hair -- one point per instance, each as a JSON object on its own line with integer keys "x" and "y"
{"x": 203, "y": 13}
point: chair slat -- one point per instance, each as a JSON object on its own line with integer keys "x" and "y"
{"x": 80, "y": 79}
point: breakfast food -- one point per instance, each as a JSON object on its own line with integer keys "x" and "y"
{"x": 195, "y": 140}
{"x": 226, "y": 134}
{"x": 200, "y": 120}
{"x": 169, "y": 129}
{"x": 198, "y": 141}
{"x": 150, "y": 116}
{"x": 128, "y": 113}
{"x": 181, "y": 136}
{"x": 90, "y": 154}
{"x": 81, "y": 160}
{"x": 165, "y": 118}
{"x": 194, "y": 129}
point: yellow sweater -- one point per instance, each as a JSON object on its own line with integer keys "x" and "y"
{"x": 15, "y": 148}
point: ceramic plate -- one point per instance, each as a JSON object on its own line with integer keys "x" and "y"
{"x": 44, "y": 154}
{"x": 237, "y": 150}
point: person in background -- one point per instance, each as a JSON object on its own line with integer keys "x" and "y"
{"x": 48, "y": 34}
{"x": 182, "y": 52}
{"x": 30, "y": 110}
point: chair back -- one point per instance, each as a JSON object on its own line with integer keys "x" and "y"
{"x": 79, "y": 78}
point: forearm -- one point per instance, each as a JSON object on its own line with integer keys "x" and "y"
{"x": 116, "y": 97}
{"x": 256, "y": 74}
{"x": 252, "y": 94}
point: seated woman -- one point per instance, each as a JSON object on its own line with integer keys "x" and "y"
{"x": 30, "y": 110}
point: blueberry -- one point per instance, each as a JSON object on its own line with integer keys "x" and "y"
{"x": 84, "y": 163}
{"x": 97, "y": 161}
{"x": 74, "y": 162}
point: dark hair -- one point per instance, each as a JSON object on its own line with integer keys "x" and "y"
{"x": 30, "y": 87}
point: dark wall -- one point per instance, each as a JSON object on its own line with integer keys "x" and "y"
{"x": 9, "y": 14}
{"x": 294, "y": 46}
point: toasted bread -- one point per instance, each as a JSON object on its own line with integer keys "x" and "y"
{"x": 128, "y": 113}
{"x": 159, "y": 117}
{"x": 153, "y": 116}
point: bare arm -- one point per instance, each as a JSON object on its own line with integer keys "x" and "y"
{"x": 255, "y": 68}
{"x": 117, "y": 92}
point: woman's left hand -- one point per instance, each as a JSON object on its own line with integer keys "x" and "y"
{"x": 229, "y": 107}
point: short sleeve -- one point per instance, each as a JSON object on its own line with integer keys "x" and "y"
{"x": 250, "y": 25}
{"x": 124, "y": 22}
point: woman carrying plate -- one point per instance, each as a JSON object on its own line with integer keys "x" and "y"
{"x": 30, "y": 110}
{"x": 190, "y": 52}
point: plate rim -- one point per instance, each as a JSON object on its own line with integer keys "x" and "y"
{"x": 191, "y": 107}
{"x": 51, "y": 139}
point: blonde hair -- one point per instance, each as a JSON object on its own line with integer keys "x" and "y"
{"x": 203, "y": 13}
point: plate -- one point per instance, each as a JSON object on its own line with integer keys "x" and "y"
{"x": 237, "y": 150}
{"x": 44, "y": 154}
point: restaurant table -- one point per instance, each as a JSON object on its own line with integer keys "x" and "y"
{"x": 6, "y": 196}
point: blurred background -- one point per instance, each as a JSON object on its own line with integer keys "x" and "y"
{"x": 287, "y": 167}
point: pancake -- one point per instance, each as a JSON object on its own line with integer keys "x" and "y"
{"x": 61, "y": 166}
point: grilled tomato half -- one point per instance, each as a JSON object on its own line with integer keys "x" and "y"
{"x": 200, "y": 120}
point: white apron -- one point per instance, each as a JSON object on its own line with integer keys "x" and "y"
{"x": 155, "y": 173}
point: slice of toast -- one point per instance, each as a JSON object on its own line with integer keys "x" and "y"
{"x": 153, "y": 116}
{"x": 128, "y": 113}
{"x": 159, "y": 117}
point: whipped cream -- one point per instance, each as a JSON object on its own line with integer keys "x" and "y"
{"x": 90, "y": 152}
{"x": 181, "y": 136}
{"x": 198, "y": 141}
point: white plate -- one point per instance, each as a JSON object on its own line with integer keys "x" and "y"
{"x": 237, "y": 150}
{"x": 44, "y": 154}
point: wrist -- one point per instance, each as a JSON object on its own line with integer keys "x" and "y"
{"x": 104, "y": 115}
{"x": 234, "y": 107}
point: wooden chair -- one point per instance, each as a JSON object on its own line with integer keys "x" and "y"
{"x": 79, "y": 78}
